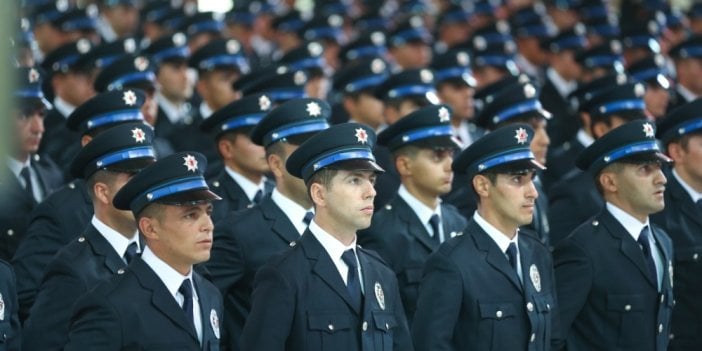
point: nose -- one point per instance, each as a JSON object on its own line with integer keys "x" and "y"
{"x": 531, "y": 192}
{"x": 37, "y": 123}
{"x": 370, "y": 190}
{"x": 660, "y": 177}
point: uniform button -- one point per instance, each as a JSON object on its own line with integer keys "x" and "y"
{"x": 530, "y": 306}
{"x": 695, "y": 256}
{"x": 81, "y": 239}
{"x": 365, "y": 326}
{"x": 660, "y": 328}
{"x": 387, "y": 326}
{"x": 71, "y": 186}
{"x": 331, "y": 326}
{"x": 10, "y": 232}
{"x": 533, "y": 337}
{"x": 627, "y": 308}
{"x": 662, "y": 298}
{"x": 548, "y": 307}
{"x": 215, "y": 184}
{"x": 292, "y": 243}
{"x": 498, "y": 314}
{"x": 388, "y": 207}
{"x": 120, "y": 271}
{"x": 671, "y": 336}
{"x": 595, "y": 223}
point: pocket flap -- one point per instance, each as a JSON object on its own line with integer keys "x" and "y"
{"x": 384, "y": 321}
{"x": 625, "y": 303}
{"x": 329, "y": 321}
{"x": 543, "y": 303}
{"x": 497, "y": 310}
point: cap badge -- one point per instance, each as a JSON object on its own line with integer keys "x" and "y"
{"x": 190, "y": 163}
{"x": 264, "y": 103}
{"x": 129, "y": 98}
{"x": 141, "y": 63}
{"x": 521, "y": 135}
{"x": 179, "y": 39}
{"x": 377, "y": 38}
{"x": 233, "y": 46}
{"x": 83, "y": 46}
{"x": 648, "y": 130}
{"x": 33, "y": 75}
{"x": 444, "y": 115}
{"x": 313, "y": 109}
{"x": 138, "y": 135}
{"x": 377, "y": 66}
{"x": 462, "y": 58}
{"x": 299, "y": 78}
{"x": 129, "y": 45}
{"x": 361, "y": 135}
{"x": 379, "y": 295}
{"x": 426, "y": 76}
{"x": 529, "y": 91}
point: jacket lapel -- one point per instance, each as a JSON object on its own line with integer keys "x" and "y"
{"x": 279, "y": 220}
{"x": 493, "y": 255}
{"x": 687, "y": 207}
{"x": 628, "y": 246}
{"x": 233, "y": 190}
{"x": 103, "y": 249}
{"x": 412, "y": 223}
{"x": 208, "y": 312}
{"x": 370, "y": 278}
{"x": 323, "y": 266}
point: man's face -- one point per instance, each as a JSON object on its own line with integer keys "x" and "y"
{"x": 317, "y": 87}
{"x": 540, "y": 142}
{"x": 29, "y": 128}
{"x": 411, "y": 55}
{"x": 656, "y": 99}
{"x": 216, "y": 88}
{"x": 173, "y": 81}
{"x": 639, "y": 188}
{"x": 688, "y": 159}
{"x": 460, "y": 98}
{"x": 366, "y": 109}
{"x": 348, "y": 201}
{"x": 182, "y": 235}
{"x": 512, "y": 198}
{"x": 249, "y": 157}
{"x": 75, "y": 87}
{"x": 430, "y": 172}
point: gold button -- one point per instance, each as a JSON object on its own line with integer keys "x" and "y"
{"x": 533, "y": 337}
{"x": 627, "y": 308}
{"x": 10, "y": 232}
{"x": 660, "y": 328}
{"x": 331, "y": 326}
{"x": 530, "y": 306}
{"x": 498, "y": 314}
{"x": 365, "y": 326}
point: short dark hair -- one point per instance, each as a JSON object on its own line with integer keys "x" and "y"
{"x": 491, "y": 174}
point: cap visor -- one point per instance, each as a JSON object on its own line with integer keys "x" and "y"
{"x": 190, "y": 197}
{"x": 358, "y": 165}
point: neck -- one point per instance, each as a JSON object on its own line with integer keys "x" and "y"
{"x": 253, "y": 176}
{"x": 502, "y": 224}
{"x": 300, "y": 198}
{"x": 694, "y": 182}
{"x": 126, "y": 228}
{"x": 628, "y": 208}
{"x": 344, "y": 235}
{"x": 429, "y": 200}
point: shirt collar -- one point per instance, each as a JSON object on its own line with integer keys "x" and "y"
{"x": 631, "y": 224}
{"x": 205, "y": 110}
{"x": 584, "y": 138}
{"x": 463, "y": 133}
{"x": 16, "y": 166}
{"x": 563, "y": 86}
{"x": 497, "y": 236}
{"x": 118, "y": 241}
{"x": 169, "y": 276}
{"x": 686, "y": 93}
{"x": 334, "y": 247}
{"x": 421, "y": 210}
{"x": 173, "y": 112}
{"x": 63, "y": 107}
{"x": 526, "y": 66}
{"x": 292, "y": 210}
{"x": 692, "y": 192}
{"x": 250, "y": 188}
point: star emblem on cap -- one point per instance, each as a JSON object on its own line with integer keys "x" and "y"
{"x": 83, "y": 46}
{"x": 141, "y": 63}
{"x": 314, "y": 110}
{"x": 33, "y": 75}
{"x": 426, "y": 76}
{"x": 138, "y": 135}
{"x": 361, "y": 135}
{"x": 444, "y": 115}
{"x": 648, "y": 130}
{"x": 521, "y": 135}
{"x": 190, "y": 163}
{"x": 264, "y": 103}
{"x": 233, "y": 46}
{"x": 129, "y": 98}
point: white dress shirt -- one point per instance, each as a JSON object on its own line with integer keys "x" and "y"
{"x": 501, "y": 240}
{"x": 335, "y": 249}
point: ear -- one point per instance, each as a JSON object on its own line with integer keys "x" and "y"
{"x": 403, "y": 164}
{"x": 225, "y": 148}
{"x": 482, "y": 185}
{"x": 85, "y": 139}
{"x": 201, "y": 88}
{"x": 318, "y": 193}
{"x": 599, "y": 129}
{"x": 349, "y": 105}
{"x": 277, "y": 165}
{"x": 608, "y": 181}
{"x": 102, "y": 193}
{"x": 675, "y": 151}
{"x": 148, "y": 227}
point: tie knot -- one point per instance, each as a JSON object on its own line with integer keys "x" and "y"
{"x": 349, "y": 257}
{"x": 258, "y": 196}
{"x": 643, "y": 236}
{"x": 308, "y": 218}
{"x": 131, "y": 252}
{"x": 186, "y": 289}
{"x": 512, "y": 249}
{"x": 434, "y": 220}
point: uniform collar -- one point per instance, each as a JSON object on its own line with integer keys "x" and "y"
{"x": 563, "y": 86}
{"x": 421, "y": 210}
{"x": 292, "y": 210}
{"x": 250, "y": 188}
{"x": 169, "y": 276}
{"x": 692, "y": 192}
{"x": 118, "y": 241}
{"x": 631, "y": 224}
{"x": 497, "y": 236}
{"x": 63, "y": 107}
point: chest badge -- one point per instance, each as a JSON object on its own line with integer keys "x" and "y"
{"x": 535, "y": 277}
{"x": 379, "y": 295}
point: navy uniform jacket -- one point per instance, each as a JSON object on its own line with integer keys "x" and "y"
{"x": 300, "y": 303}
{"x": 472, "y": 299}
{"x": 573, "y": 201}
{"x": 564, "y": 124}
{"x": 134, "y": 311}
{"x": 59, "y": 142}
{"x": 16, "y": 203}
{"x": 676, "y": 101}
{"x": 243, "y": 242}
{"x": 561, "y": 161}
{"x": 606, "y": 298}
{"x": 9, "y": 321}
{"x": 233, "y": 196}
{"x": 62, "y": 216}
{"x": 387, "y": 183}
{"x": 78, "y": 267}
{"x": 682, "y": 220}
{"x": 398, "y": 236}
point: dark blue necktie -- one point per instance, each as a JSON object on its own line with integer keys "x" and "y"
{"x": 308, "y": 218}
{"x": 131, "y": 252}
{"x": 646, "y": 250}
{"x": 186, "y": 289}
{"x": 257, "y": 198}
{"x": 24, "y": 173}
{"x": 353, "y": 284}
{"x": 435, "y": 223}
{"x": 512, "y": 256}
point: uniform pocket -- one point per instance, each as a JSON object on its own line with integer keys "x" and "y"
{"x": 497, "y": 319}
{"x": 330, "y": 330}
{"x": 628, "y": 309}
{"x": 385, "y": 324}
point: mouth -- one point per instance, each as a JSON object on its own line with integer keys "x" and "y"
{"x": 367, "y": 210}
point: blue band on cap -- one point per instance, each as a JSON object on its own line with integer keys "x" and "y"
{"x": 106, "y": 61}
{"x": 290, "y": 130}
{"x": 420, "y": 134}
{"x": 572, "y": 42}
{"x": 408, "y": 90}
{"x": 114, "y": 117}
{"x": 500, "y": 159}
{"x": 603, "y": 60}
{"x": 363, "y": 154}
{"x": 689, "y": 127}
{"x": 604, "y": 30}
{"x": 311, "y": 62}
{"x": 323, "y": 33}
{"x": 694, "y": 51}
{"x": 366, "y": 51}
{"x": 123, "y": 155}
{"x": 404, "y": 36}
{"x": 629, "y": 150}
{"x": 237, "y": 61}
{"x": 526, "y": 106}
{"x": 454, "y": 16}
{"x": 178, "y": 51}
{"x": 536, "y": 30}
{"x": 29, "y": 93}
{"x": 647, "y": 74}
{"x": 615, "y": 106}
{"x": 492, "y": 60}
{"x": 291, "y": 26}
{"x": 279, "y": 95}
{"x": 496, "y": 38}
{"x": 241, "y": 121}
{"x": 594, "y": 12}
{"x": 639, "y": 40}
{"x": 65, "y": 64}
{"x": 78, "y": 24}
{"x": 207, "y": 26}
{"x": 157, "y": 14}
{"x": 451, "y": 72}
{"x": 130, "y": 78}
{"x": 367, "y": 82}
{"x": 179, "y": 186}
{"x": 47, "y": 17}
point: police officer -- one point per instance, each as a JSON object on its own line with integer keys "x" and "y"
{"x": 104, "y": 247}
{"x": 614, "y": 273}
{"x": 66, "y": 213}
{"x": 415, "y": 222}
{"x": 356, "y": 82}
{"x": 491, "y": 288}
{"x": 242, "y": 183}
{"x": 10, "y": 326}
{"x": 158, "y": 301}
{"x": 326, "y": 293}
{"x": 686, "y": 59}
{"x": 682, "y": 219}
{"x": 245, "y": 240}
